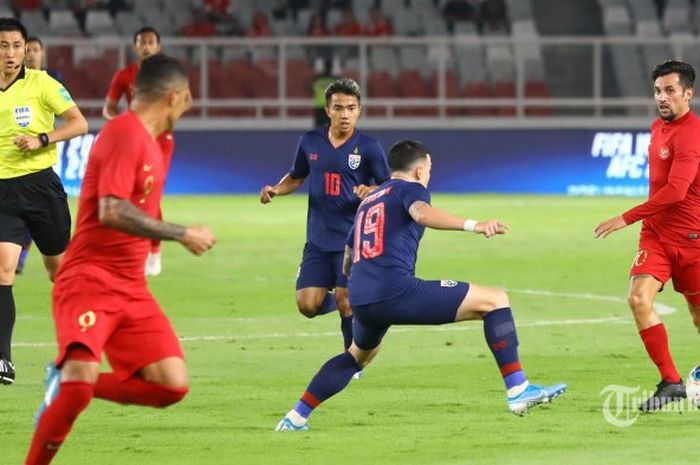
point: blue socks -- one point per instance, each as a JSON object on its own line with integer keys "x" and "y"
{"x": 346, "y": 328}
{"x": 328, "y": 305}
{"x": 499, "y": 330}
{"x": 332, "y": 378}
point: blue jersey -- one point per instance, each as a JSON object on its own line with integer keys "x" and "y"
{"x": 333, "y": 173}
{"x": 385, "y": 241}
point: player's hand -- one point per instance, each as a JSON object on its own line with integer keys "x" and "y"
{"x": 267, "y": 193}
{"x": 490, "y": 228}
{"x": 197, "y": 239}
{"x": 608, "y": 227}
{"x": 27, "y": 143}
{"x": 363, "y": 191}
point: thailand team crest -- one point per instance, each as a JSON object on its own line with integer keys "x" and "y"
{"x": 354, "y": 160}
{"x": 23, "y": 116}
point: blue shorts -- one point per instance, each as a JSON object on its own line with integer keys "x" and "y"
{"x": 423, "y": 303}
{"x": 321, "y": 269}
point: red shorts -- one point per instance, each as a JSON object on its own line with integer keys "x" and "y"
{"x": 126, "y": 324}
{"x": 664, "y": 261}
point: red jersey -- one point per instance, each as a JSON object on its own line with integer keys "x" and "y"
{"x": 122, "y": 83}
{"x": 672, "y": 211}
{"x": 125, "y": 162}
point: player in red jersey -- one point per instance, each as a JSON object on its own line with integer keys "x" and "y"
{"x": 101, "y": 302}
{"x": 669, "y": 244}
{"x": 146, "y": 44}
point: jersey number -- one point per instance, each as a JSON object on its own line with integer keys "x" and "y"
{"x": 332, "y": 184}
{"x": 371, "y": 223}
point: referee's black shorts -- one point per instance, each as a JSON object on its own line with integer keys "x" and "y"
{"x": 36, "y": 204}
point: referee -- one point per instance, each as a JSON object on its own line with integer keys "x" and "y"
{"x": 31, "y": 195}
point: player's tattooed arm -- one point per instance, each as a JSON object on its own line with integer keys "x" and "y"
{"x": 125, "y": 216}
{"x": 347, "y": 261}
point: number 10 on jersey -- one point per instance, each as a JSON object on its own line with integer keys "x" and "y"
{"x": 333, "y": 184}
{"x": 371, "y": 223}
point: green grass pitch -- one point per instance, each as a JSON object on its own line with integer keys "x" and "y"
{"x": 433, "y": 396}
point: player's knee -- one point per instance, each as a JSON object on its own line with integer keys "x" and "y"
{"x": 495, "y": 299}
{"x": 7, "y": 275}
{"x": 171, "y": 395}
{"x": 638, "y": 302}
{"x": 307, "y": 307}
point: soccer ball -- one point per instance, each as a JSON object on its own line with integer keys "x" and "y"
{"x": 692, "y": 387}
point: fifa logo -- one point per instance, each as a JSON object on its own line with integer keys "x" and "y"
{"x": 87, "y": 320}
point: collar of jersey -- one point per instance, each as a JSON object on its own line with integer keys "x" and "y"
{"x": 19, "y": 76}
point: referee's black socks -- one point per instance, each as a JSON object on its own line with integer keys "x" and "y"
{"x": 7, "y": 321}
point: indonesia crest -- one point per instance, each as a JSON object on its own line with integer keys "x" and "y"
{"x": 354, "y": 159}
{"x": 23, "y": 116}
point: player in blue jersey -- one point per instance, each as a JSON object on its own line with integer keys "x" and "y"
{"x": 342, "y": 165}
{"x": 381, "y": 256}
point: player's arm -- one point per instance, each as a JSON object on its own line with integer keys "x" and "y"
{"x": 75, "y": 125}
{"x": 121, "y": 214}
{"x": 347, "y": 260}
{"x": 110, "y": 109}
{"x": 380, "y": 172}
{"x": 426, "y": 215}
{"x": 287, "y": 185}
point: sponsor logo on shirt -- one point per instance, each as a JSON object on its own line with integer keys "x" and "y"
{"x": 447, "y": 283}
{"x": 354, "y": 160}
{"x": 23, "y": 116}
{"x": 664, "y": 153}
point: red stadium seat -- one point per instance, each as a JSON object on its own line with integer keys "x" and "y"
{"x": 537, "y": 89}
{"x": 504, "y": 90}
{"x": 412, "y": 85}
{"x": 380, "y": 85}
{"x": 476, "y": 90}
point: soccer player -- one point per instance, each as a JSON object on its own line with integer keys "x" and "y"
{"x": 32, "y": 199}
{"x": 101, "y": 302}
{"x": 341, "y": 163}
{"x": 146, "y": 44}
{"x": 33, "y": 59}
{"x": 669, "y": 243}
{"x": 381, "y": 256}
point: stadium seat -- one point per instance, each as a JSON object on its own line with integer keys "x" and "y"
{"x": 380, "y": 85}
{"x": 59, "y": 57}
{"x": 34, "y": 21}
{"x": 476, "y": 89}
{"x": 63, "y": 23}
{"x": 504, "y": 90}
{"x": 537, "y": 89}
{"x": 99, "y": 22}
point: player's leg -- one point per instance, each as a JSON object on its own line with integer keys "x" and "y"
{"x": 24, "y": 254}
{"x": 68, "y": 394}
{"x": 651, "y": 268}
{"x": 316, "y": 276}
{"x": 335, "y": 374}
{"x": 147, "y": 359}
{"x": 9, "y": 255}
{"x": 48, "y": 219}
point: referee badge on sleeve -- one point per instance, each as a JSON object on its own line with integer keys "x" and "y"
{"x": 23, "y": 116}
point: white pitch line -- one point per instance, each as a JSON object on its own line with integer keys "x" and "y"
{"x": 394, "y": 330}
{"x": 661, "y": 309}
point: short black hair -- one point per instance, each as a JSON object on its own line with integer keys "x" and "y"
{"x": 686, "y": 73}
{"x": 157, "y": 75}
{"x": 35, "y": 39}
{"x": 146, "y": 30}
{"x": 345, "y": 86}
{"x": 404, "y": 154}
{"x": 12, "y": 24}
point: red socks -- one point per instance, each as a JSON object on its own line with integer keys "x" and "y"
{"x": 137, "y": 391}
{"x": 57, "y": 421}
{"x": 655, "y": 340}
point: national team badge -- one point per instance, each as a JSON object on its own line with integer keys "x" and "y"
{"x": 23, "y": 116}
{"x": 664, "y": 153}
{"x": 87, "y": 320}
{"x": 354, "y": 160}
{"x": 640, "y": 258}
{"x": 448, "y": 283}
